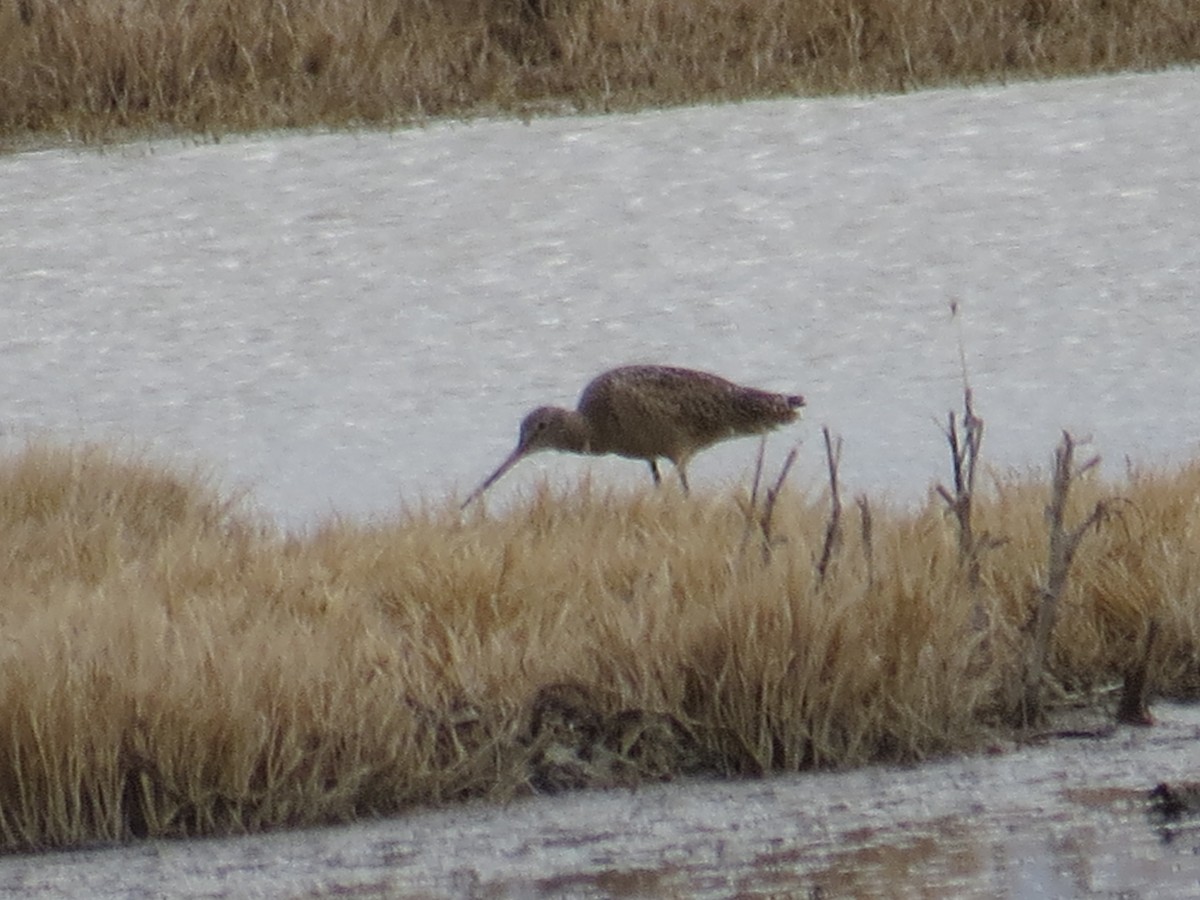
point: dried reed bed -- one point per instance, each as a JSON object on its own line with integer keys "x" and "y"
{"x": 96, "y": 69}
{"x": 168, "y": 666}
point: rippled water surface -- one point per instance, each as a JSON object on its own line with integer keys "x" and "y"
{"x": 344, "y": 322}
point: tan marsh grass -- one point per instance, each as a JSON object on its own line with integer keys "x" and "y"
{"x": 168, "y": 666}
{"x": 95, "y": 69}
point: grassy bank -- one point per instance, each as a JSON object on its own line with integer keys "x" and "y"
{"x": 169, "y": 667}
{"x": 96, "y": 69}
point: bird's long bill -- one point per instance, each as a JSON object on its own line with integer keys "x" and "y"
{"x": 513, "y": 459}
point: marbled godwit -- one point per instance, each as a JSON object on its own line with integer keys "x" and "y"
{"x": 647, "y": 412}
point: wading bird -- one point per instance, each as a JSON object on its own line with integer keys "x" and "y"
{"x": 647, "y": 412}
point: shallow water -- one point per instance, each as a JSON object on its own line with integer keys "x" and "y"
{"x": 347, "y": 322}
{"x": 1067, "y": 818}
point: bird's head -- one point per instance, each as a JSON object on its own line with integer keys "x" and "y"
{"x": 546, "y": 428}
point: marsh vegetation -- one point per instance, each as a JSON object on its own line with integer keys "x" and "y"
{"x": 171, "y": 666}
{"x": 96, "y": 69}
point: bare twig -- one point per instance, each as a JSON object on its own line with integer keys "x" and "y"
{"x": 758, "y": 470}
{"x": 769, "y": 505}
{"x": 965, "y": 449}
{"x": 864, "y": 509}
{"x": 750, "y": 508}
{"x": 833, "y": 531}
{"x": 1133, "y": 708}
{"x": 1063, "y": 545}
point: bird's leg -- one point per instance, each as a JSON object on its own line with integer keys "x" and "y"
{"x": 654, "y": 471}
{"x": 682, "y": 470}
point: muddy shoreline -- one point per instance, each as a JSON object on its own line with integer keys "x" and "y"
{"x": 1064, "y": 817}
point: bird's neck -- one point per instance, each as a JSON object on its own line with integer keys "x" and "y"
{"x": 576, "y": 434}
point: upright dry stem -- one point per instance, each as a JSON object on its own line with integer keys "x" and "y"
{"x": 1062, "y": 547}
{"x": 750, "y": 508}
{"x": 1133, "y": 708}
{"x": 833, "y": 530}
{"x": 768, "y": 514}
{"x": 867, "y": 529}
{"x": 964, "y": 458}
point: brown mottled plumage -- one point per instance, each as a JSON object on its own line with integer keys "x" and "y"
{"x": 647, "y": 412}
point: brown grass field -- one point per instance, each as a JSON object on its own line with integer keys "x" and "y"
{"x": 109, "y": 69}
{"x": 169, "y": 666}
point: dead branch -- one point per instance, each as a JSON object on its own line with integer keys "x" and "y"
{"x": 833, "y": 530}
{"x": 1063, "y": 545}
{"x": 965, "y": 450}
{"x": 1133, "y": 708}
{"x": 758, "y": 470}
{"x": 769, "y": 505}
{"x": 868, "y": 542}
{"x": 749, "y": 509}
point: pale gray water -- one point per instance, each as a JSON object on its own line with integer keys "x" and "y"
{"x": 341, "y": 322}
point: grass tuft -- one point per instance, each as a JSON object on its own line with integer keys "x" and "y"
{"x": 105, "y": 69}
{"x": 171, "y": 667}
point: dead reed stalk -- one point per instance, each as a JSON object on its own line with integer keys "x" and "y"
{"x": 833, "y": 530}
{"x": 750, "y": 507}
{"x": 1063, "y": 544}
{"x": 762, "y": 522}
{"x": 766, "y": 522}
{"x": 965, "y": 448}
{"x": 964, "y": 458}
{"x": 1133, "y": 707}
{"x": 867, "y": 533}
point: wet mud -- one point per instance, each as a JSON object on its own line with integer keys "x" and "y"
{"x": 1065, "y": 816}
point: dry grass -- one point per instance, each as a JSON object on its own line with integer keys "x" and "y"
{"x": 98, "y": 69}
{"x": 168, "y": 667}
